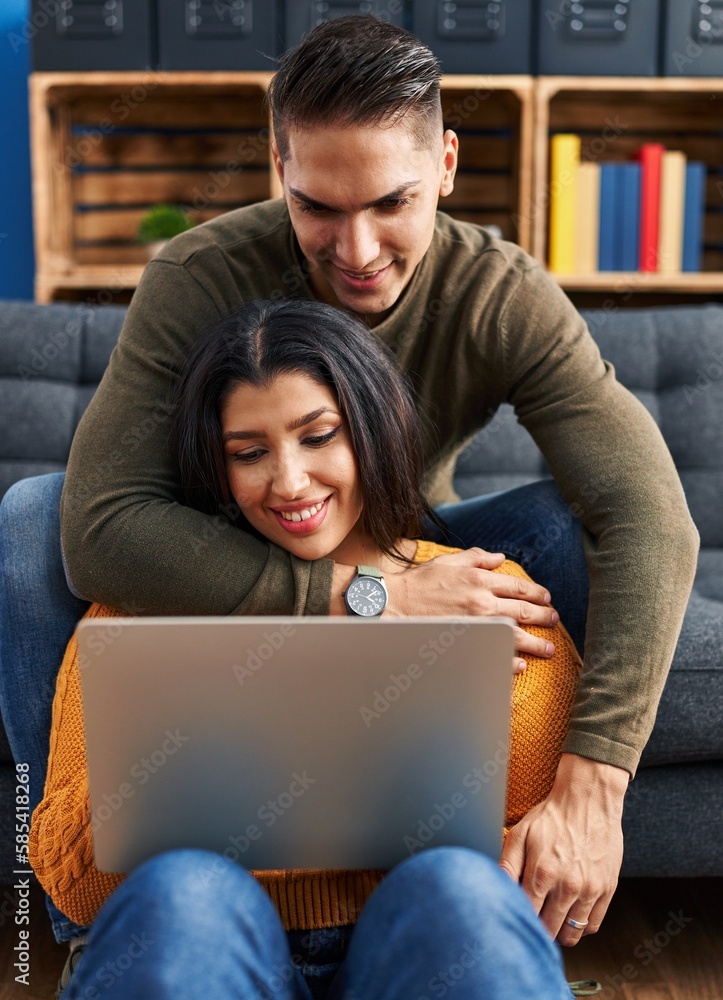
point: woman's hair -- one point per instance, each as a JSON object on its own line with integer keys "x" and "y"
{"x": 264, "y": 339}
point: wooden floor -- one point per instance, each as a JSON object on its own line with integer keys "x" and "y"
{"x": 662, "y": 940}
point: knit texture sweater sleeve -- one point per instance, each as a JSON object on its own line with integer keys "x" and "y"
{"x": 61, "y": 834}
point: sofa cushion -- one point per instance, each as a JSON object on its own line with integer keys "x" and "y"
{"x": 688, "y": 724}
{"x": 672, "y": 359}
{"x": 51, "y": 360}
{"x": 671, "y": 821}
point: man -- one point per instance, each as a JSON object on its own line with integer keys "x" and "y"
{"x": 363, "y": 157}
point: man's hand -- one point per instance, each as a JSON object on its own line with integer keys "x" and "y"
{"x": 567, "y": 851}
{"x": 463, "y": 584}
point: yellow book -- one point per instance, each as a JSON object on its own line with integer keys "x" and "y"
{"x": 672, "y": 212}
{"x": 588, "y": 217}
{"x": 564, "y": 162}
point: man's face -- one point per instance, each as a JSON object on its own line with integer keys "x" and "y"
{"x": 362, "y": 201}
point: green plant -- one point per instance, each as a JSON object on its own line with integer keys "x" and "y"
{"x": 162, "y": 222}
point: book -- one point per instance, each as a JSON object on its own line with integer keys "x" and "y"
{"x": 672, "y": 205}
{"x": 609, "y": 255}
{"x": 588, "y": 218}
{"x": 564, "y": 162}
{"x": 630, "y": 216}
{"x": 693, "y": 216}
{"x": 650, "y": 156}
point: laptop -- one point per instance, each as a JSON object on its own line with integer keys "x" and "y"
{"x": 296, "y": 742}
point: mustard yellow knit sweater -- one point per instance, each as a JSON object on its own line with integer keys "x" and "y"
{"x": 61, "y": 846}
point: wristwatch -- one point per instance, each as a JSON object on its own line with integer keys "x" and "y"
{"x": 366, "y": 596}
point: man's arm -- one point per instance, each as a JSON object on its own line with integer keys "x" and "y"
{"x": 128, "y": 541}
{"x": 614, "y": 469}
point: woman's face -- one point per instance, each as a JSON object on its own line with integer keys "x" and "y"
{"x": 290, "y": 464}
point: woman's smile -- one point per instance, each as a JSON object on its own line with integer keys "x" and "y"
{"x": 302, "y": 519}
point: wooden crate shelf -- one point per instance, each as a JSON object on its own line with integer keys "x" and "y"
{"x": 614, "y": 116}
{"x": 106, "y": 146}
{"x": 493, "y": 117}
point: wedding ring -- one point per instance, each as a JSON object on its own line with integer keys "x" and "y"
{"x": 577, "y": 924}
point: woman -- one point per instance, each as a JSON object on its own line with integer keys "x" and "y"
{"x": 293, "y": 422}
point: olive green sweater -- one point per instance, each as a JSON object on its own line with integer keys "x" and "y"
{"x": 480, "y": 323}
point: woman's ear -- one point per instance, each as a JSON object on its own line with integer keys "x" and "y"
{"x": 448, "y": 162}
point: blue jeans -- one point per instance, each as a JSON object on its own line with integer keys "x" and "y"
{"x": 446, "y": 921}
{"x": 38, "y": 612}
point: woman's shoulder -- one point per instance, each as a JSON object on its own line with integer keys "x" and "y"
{"x": 430, "y": 550}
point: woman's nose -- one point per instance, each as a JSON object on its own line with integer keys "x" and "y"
{"x": 290, "y": 479}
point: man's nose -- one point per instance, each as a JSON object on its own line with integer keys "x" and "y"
{"x": 291, "y": 478}
{"x": 357, "y": 243}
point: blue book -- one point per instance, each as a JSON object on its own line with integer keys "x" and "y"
{"x": 610, "y": 211}
{"x": 694, "y": 213}
{"x": 629, "y": 216}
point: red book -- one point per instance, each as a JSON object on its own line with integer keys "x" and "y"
{"x": 650, "y": 156}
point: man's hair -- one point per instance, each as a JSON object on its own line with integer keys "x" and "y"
{"x": 357, "y": 70}
{"x": 262, "y": 340}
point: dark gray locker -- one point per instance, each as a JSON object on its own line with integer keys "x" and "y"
{"x": 303, "y": 15}
{"x": 598, "y": 37}
{"x": 218, "y": 34}
{"x": 693, "y": 38}
{"x": 477, "y": 36}
{"x": 93, "y": 34}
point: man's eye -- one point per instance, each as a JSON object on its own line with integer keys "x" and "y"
{"x": 311, "y": 209}
{"x": 394, "y": 203}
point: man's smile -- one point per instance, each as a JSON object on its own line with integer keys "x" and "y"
{"x": 363, "y": 281}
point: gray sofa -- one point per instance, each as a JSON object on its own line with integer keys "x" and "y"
{"x": 51, "y": 358}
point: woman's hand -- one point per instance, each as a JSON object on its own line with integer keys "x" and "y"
{"x": 567, "y": 851}
{"x": 463, "y": 583}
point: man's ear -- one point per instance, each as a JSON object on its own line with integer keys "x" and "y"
{"x": 450, "y": 152}
{"x": 278, "y": 162}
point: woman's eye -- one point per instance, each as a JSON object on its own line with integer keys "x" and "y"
{"x": 247, "y": 457}
{"x": 321, "y": 439}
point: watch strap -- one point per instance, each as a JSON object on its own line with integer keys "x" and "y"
{"x": 369, "y": 571}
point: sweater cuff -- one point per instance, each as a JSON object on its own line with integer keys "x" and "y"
{"x": 290, "y": 586}
{"x": 603, "y": 750}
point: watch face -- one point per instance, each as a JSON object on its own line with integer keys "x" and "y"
{"x": 366, "y": 597}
